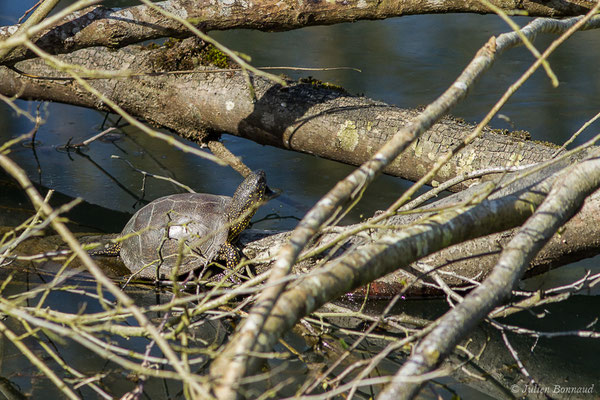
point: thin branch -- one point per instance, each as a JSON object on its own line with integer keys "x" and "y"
{"x": 53, "y": 61}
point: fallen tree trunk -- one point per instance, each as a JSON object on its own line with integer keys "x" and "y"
{"x": 460, "y": 265}
{"x": 308, "y": 117}
{"x": 305, "y": 116}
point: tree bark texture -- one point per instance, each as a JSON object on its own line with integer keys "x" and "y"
{"x": 116, "y": 27}
{"x": 307, "y": 117}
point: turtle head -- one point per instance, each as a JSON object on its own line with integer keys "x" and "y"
{"x": 245, "y": 202}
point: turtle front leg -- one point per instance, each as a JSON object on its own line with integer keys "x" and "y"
{"x": 231, "y": 255}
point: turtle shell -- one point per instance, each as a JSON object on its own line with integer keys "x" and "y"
{"x": 190, "y": 224}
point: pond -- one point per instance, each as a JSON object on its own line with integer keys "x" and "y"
{"x": 406, "y": 61}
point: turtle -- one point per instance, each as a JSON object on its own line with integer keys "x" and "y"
{"x": 187, "y": 231}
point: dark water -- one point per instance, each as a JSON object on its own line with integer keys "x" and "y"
{"x": 405, "y": 61}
